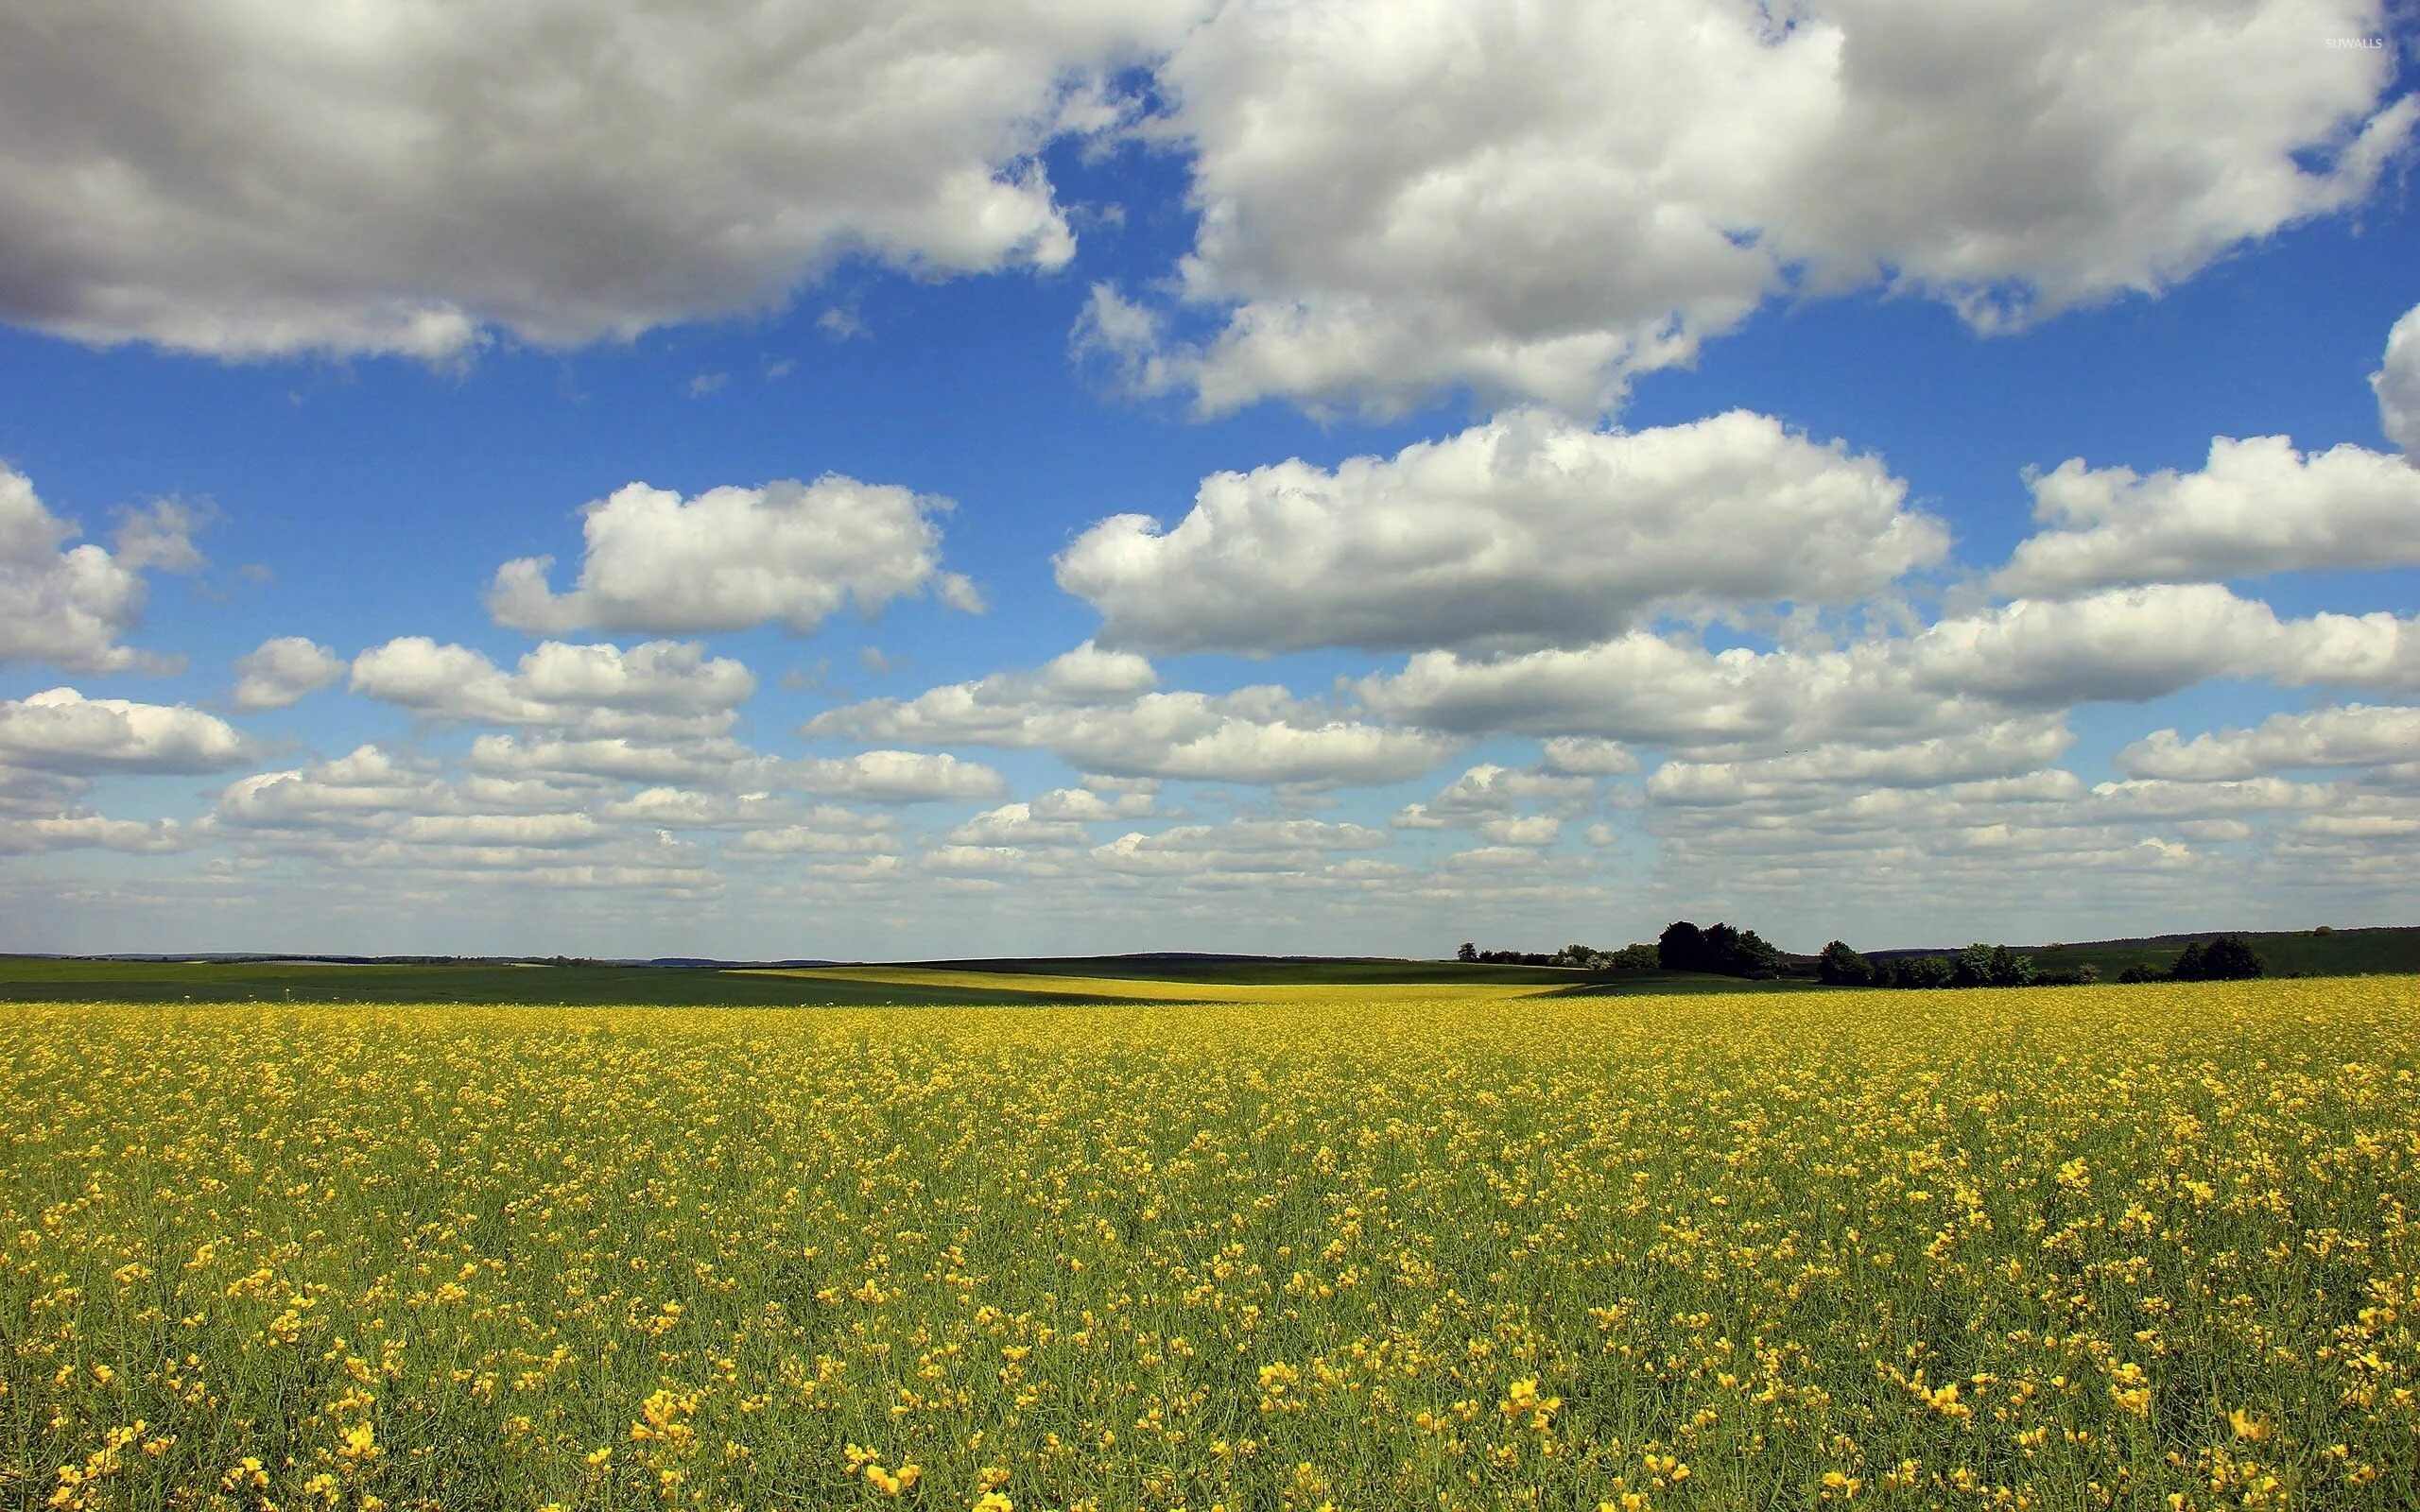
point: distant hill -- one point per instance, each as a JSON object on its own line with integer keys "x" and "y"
{"x": 2385, "y": 951}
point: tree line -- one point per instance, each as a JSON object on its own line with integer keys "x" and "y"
{"x": 1722, "y": 950}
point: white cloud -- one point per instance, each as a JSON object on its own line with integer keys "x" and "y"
{"x": 285, "y": 671}
{"x": 67, "y": 832}
{"x": 2397, "y": 384}
{"x": 2129, "y": 645}
{"x": 536, "y": 831}
{"x": 1017, "y": 824}
{"x": 683, "y": 808}
{"x": 63, "y": 731}
{"x": 2354, "y": 735}
{"x": 828, "y": 833}
{"x": 1492, "y": 789}
{"x": 788, "y": 553}
{"x": 1528, "y": 530}
{"x": 2257, "y": 506}
{"x": 1488, "y": 793}
{"x": 1238, "y": 845}
{"x": 1586, "y": 757}
{"x": 1400, "y": 196}
{"x": 661, "y": 687}
{"x": 2011, "y": 749}
{"x": 712, "y": 761}
{"x": 70, "y": 605}
{"x": 2138, "y": 644}
{"x": 2155, "y": 798}
{"x": 1253, "y": 735}
{"x": 1518, "y": 829}
{"x": 896, "y": 777}
{"x": 1084, "y": 804}
{"x": 564, "y": 174}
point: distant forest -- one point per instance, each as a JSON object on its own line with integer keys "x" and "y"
{"x": 1722, "y": 950}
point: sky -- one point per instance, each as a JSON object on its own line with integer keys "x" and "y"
{"x": 958, "y": 477}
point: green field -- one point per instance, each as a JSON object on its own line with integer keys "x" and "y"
{"x": 1009, "y": 982}
{"x": 1438, "y": 1245}
{"x": 37, "y": 979}
{"x": 2340, "y": 953}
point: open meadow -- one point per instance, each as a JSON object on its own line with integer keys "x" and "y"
{"x": 1278, "y": 1248}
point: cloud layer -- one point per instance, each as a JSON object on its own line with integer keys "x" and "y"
{"x": 1528, "y": 531}
{"x": 1542, "y": 200}
{"x": 564, "y": 173}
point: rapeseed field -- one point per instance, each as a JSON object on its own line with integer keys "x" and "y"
{"x": 2090, "y": 1247}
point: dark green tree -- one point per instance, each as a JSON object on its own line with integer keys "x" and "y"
{"x": 1839, "y": 966}
{"x": 2012, "y": 970}
{"x": 1928, "y": 971}
{"x": 1721, "y": 950}
{"x": 1681, "y": 947}
{"x": 2230, "y": 958}
{"x": 1753, "y": 956}
{"x": 2227, "y": 959}
{"x": 1973, "y": 967}
{"x": 1468, "y": 953}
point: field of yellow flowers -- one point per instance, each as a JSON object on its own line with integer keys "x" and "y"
{"x": 2134, "y": 1246}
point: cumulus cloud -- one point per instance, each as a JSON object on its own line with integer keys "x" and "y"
{"x": 285, "y": 671}
{"x": 2127, "y": 645}
{"x": 1017, "y": 825}
{"x": 1528, "y": 530}
{"x": 788, "y": 553}
{"x": 1671, "y": 165}
{"x": 63, "y": 731}
{"x": 662, "y": 687}
{"x": 367, "y": 787}
{"x": 561, "y": 174}
{"x": 1113, "y": 802}
{"x": 1520, "y": 830}
{"x": 2397, "y": 384}
{"x": 404, "y": 819}
{"x": 683, "y": 808}
{"x": 84, "y": 830}
{"x": 1249, "y": 845}
{"x": 712, "y": 761}
{"x": 2353, "y": 735}
{"x": 1261, "y": 736}
{"x": 898, "y": 777}
{"x": 2011, "y": 749}
{"x": 70, "y": 605}
{"x": 2257, "y": 506}
{"x": 1583, "y": 756}
{"x": 1489, "y": 793}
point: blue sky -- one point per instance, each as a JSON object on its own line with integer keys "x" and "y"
{"x": 1601, "y": 467}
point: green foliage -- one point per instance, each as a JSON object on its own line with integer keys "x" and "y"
{"x": 1719, "y": 949}
{"x": 1839, "y": 966}
{"x": 1682, "y": 948}
{"x": 2227, "y": 959}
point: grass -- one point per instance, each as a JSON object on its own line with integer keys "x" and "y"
{"x": 33, "y": 979}
{"x": 1078, "y": 979}
{"x": 1472, "y": 1248}
{"x": 2340, "y": 953}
